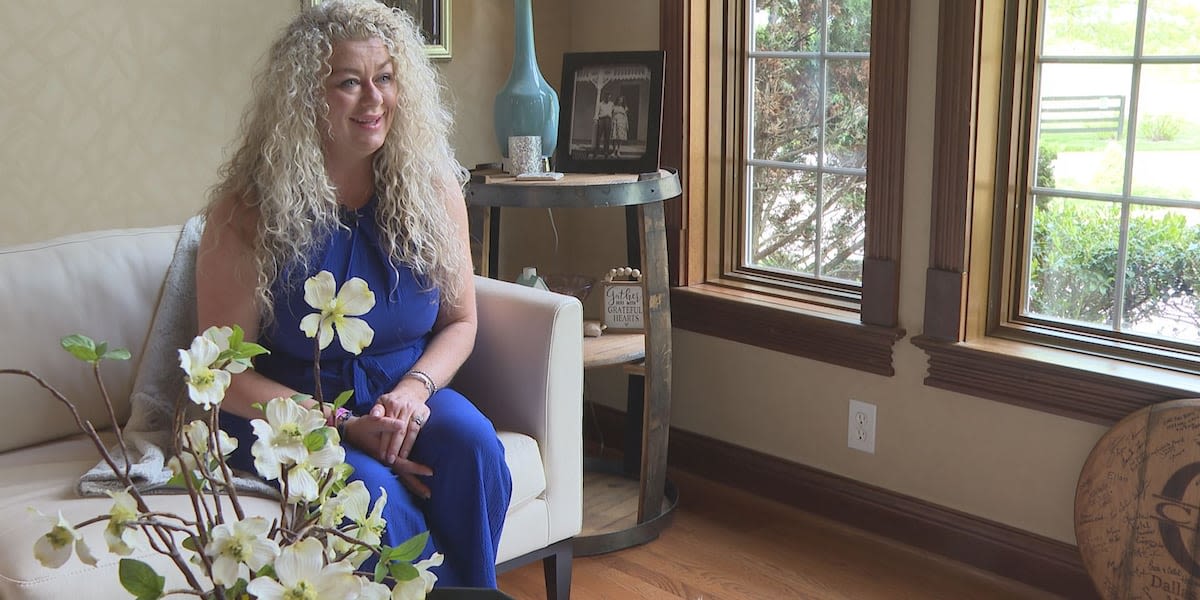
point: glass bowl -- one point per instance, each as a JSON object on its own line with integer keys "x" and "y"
{"x": 570, "y": 284}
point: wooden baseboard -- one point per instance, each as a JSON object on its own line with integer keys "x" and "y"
{"x": 1039, "y": 561}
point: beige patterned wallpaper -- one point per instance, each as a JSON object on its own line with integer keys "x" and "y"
{"x": 117, "y": 114}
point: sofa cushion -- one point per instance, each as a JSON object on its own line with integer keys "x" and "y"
{"x": 44, "y": 476}
{"x": 103, "y": 285}
{"x": 525, "y": 461}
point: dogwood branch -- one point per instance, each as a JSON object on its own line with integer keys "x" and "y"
{"x": 86, "y": 427}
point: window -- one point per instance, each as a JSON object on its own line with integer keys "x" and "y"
{"x": 1110, "y": 247}
{"x": 804, "y": 162}
{"x": 1080, "y": 298}
{"x": 792, "y": 242}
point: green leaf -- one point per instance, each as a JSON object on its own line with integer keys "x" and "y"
{"x": 250, "y": 350}
{"x": 118, "y": 354}
{"x": 402, "y": 571}
{"x": 300, "y": 398}
{"x": 80, "y": 346}
{"x": 316, "y": 439}
{"x": 381, "y": 570}
{"x": 410, "y": 550}
{"x": 190, "y": 543}
{"x": 140, "y": 580}
{"x": 238, "y": 590}
{"x": 268, "y": 570}
{"x": 176, "y": 481}
{"x": 342, "y": 398}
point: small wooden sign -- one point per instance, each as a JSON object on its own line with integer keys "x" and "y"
{"x": 624, "y": 300}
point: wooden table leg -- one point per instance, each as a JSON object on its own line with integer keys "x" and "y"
{"x": 657, "y": 408}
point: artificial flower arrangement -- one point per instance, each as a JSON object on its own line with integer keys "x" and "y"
{"x": 326, "y": 527}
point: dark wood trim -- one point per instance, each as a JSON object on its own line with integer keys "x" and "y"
{"x": 945, "y": 303}
{"x": 673, "y": 35}
{"x": 1039, "y": 561}
{"x": 881, "y": 306}
{"x": 786, "y": 329}
{"x": 886, "y": 134}
{"x": 1087, "y": 388}
{"x": 953, "y": 169}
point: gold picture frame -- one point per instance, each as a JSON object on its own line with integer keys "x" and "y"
{"x": 434, "y": 18}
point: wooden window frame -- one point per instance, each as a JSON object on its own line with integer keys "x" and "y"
{"x": 969, "y": 352}
{"x": 695, "y": 36}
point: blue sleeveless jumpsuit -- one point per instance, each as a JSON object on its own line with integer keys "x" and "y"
{"x": 471, "y": 485}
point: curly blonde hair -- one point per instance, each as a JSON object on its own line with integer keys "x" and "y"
{"x": 278, "y": 171}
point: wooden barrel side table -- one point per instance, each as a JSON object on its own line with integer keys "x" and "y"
{"x": 650, "y": 353}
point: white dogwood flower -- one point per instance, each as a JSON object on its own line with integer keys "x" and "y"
{"x": 418, "y": 587}
{"x": 281, "y": 436}
{"x": 220, "y": 336}
{"x": 370, "y": 526}
{"x": 197, "y": 437}
{"x": 344, "y": 504}
{"x": 338, "y": 312}
{"x": 206, "y": 386}
{"x": 350, "y": 507}
{"x": 196, "y": 442}
{"x": 301, "y": 484}
{"x": 54, "y": 548}
{"x": 374, "y": 591}
{"x": 302, "y": 573}
{"x": 239, "y": 548}
{"x": 121, "y": 532}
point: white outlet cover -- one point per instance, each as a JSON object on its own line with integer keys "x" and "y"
{"x": 860, "y": 433}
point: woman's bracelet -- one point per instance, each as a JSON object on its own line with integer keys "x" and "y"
{"x": 337, "y": 418}
{"x": 424, "y": 378}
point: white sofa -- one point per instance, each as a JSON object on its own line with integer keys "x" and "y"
{"x": 525, "y": 374}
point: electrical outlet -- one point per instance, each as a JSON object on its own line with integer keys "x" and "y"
{"x": 861, "y": 435}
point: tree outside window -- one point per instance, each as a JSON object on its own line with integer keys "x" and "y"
{"x": 803, "y": 214}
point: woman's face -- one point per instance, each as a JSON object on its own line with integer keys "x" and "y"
{"x": 361, "y": 93}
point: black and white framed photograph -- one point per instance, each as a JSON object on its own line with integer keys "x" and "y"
{"x": 611, "y": 119}
{"x": 433, "y": 16}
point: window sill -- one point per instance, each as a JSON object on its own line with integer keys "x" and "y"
{"x": 1089, "y": 388}
{"x": 825, "y": 334}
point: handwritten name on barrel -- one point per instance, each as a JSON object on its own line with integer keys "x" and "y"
{"x": 1137, "y": 505}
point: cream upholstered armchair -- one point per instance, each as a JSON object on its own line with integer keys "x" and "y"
{"x": 525, "y": 374}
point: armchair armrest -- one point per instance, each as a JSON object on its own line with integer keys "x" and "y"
{"x": 526, "y": 375}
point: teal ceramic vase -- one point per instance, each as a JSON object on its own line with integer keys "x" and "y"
{"x": 526, "y": 105}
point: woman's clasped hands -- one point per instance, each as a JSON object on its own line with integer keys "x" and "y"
{"x": 389, "y": 431}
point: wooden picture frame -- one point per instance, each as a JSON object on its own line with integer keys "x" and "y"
{"x": 433, "y": 16}
{"x": 611, "y": 119}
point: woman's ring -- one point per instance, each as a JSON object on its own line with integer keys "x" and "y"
{"x": 419, "y": 421}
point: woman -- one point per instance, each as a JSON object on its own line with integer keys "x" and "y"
{"x": 345, "y": 166}
{"x": 620, "y": 125}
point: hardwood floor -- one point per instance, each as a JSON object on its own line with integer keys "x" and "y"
{"x": 725, "y": 544}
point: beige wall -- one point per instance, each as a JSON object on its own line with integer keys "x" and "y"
{"x": 115, "y": 114}
{"x": 118, "y": 116}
